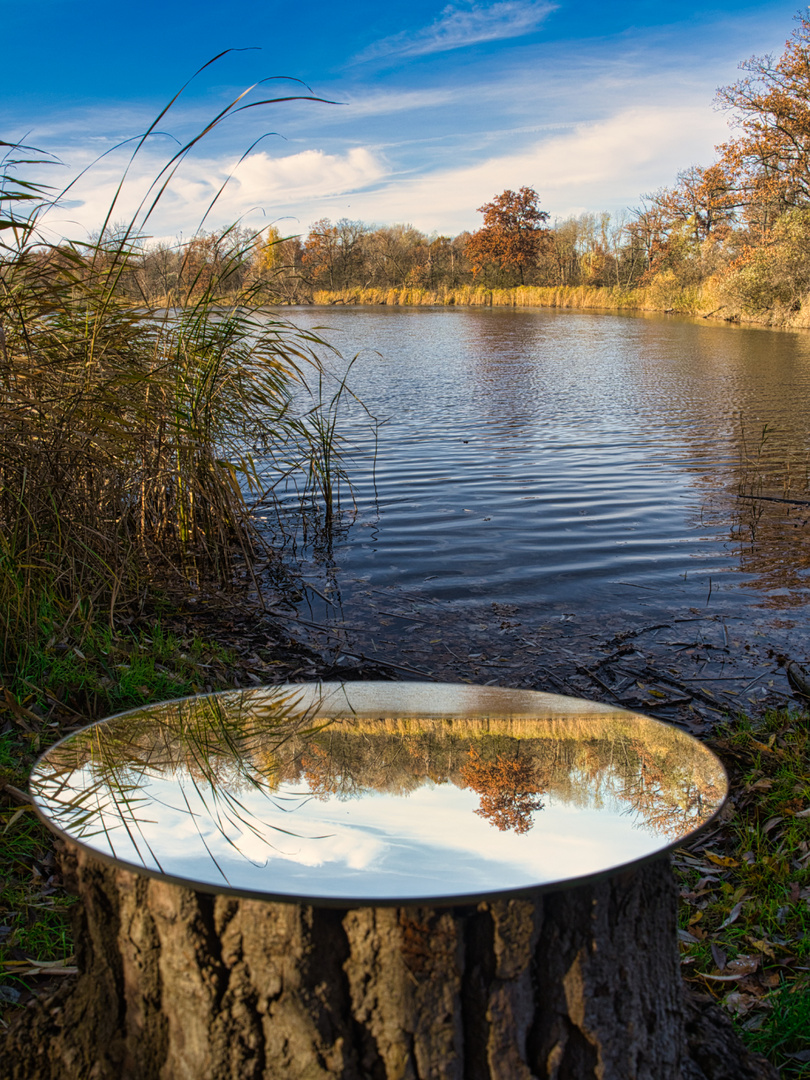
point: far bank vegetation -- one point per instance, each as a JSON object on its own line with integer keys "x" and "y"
{"x": 729, "y": 240}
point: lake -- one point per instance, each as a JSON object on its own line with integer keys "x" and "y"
{"x": 556, "y": 466}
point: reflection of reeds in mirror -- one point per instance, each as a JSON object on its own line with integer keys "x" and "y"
{"x": 219, "y": 744}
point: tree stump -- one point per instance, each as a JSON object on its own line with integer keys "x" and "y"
{"x": 182, "y": 985}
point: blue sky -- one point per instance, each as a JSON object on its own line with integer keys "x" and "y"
{"x": 441, "y": 107}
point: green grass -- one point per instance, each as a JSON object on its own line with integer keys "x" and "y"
{"x": 745, "y": 891}
{"x": 91, "y": 672}
{"x": 34, "y": 908}
{"x": 67, "y": 682}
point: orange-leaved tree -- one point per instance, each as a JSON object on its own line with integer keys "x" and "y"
{"x": 513, "y": 233}
{"x": 704, "y": 200}
{"x": 770, "y": 107}
{"x": 509, "y": 790}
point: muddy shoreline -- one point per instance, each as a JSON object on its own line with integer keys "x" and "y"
{"x": 690, "y": 667}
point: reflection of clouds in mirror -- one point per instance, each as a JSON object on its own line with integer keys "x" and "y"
{"x": 261, "y": 791}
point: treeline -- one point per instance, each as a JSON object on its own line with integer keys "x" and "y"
{"x": 591, "y": 250}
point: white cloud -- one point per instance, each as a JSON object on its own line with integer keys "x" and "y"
{"x": 459, "y": 26}
{"x": 604, "y": 165}
{"x": 261, "y": 187}
{"x": 304, "y": 176}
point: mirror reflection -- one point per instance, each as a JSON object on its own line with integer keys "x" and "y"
{"x": 378, "y": 792}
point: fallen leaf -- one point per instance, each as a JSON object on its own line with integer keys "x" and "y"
{"x": 15, "y": 816}
{"x": 762, "y": 946}
{"x": 706, "y": 880}
{"x": 739, "y": 1003}
{"x": 690, "y": 939}
{"x": 743, "y": 965}
{"x": 733, "y": 915}
{"x": 719, "y": 956}
{"x": 768, "y": 750}
{"x": 761, "y": 785}
{"x": 720, "y": 860}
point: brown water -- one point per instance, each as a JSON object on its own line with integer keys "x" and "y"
{"x": 553, "y": 467}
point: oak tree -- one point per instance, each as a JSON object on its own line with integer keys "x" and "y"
{"x": 508, "y": 787}
{"x": 770, "y": 106}
{"x": 513, "y": 233}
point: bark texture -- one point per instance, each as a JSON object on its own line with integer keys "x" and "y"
{"x": 179, "y": 985}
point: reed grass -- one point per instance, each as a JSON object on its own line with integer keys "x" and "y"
{"x": 664, "y": 294}
{"x": 127, "y": 434}
{"x": 563, "y": 296}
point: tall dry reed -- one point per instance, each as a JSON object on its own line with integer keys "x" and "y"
{"x": 127, "y": 434}
{"x": 562, "y": 296}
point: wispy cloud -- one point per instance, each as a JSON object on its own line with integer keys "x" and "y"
{"x": 384, "y": 103}
{"x": 460, "y": 25}
{"x": 604, "y": 165}
{"x": 260, "y": 188}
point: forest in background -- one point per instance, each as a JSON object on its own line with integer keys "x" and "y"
{"x": 730, "y": 239}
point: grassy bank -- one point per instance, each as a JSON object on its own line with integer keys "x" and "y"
{"x": 581, "y": 296}
{"x": 714, "y": 298}
{"x": 745, "y": 891}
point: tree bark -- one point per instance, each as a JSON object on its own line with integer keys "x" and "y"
{"x": 181, "y": 985}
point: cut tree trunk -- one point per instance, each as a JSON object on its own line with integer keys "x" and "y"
{"x": 182, "y": 985}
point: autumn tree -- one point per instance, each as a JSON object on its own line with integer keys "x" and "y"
{"x": 512, "y": 235}
{"x": 704, "y": 200}
{"x": 508, "y": 787}
{"x": 214, "y": 263}
{"x": 333, "y": 254}
{"x": 770, "y": 106}
{"x": 395, "y": 255}
{"x": 278, "y": 267}
{"x": 268, "y": 252}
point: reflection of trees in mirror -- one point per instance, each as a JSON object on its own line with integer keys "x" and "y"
{"x": 576, "y": 762}
{"x": 660, "y": 804}
{"x": 203, "y": 757}
{"x": 508, "y": 788}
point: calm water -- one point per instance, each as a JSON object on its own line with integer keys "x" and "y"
{"x": 566, "y": 463}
